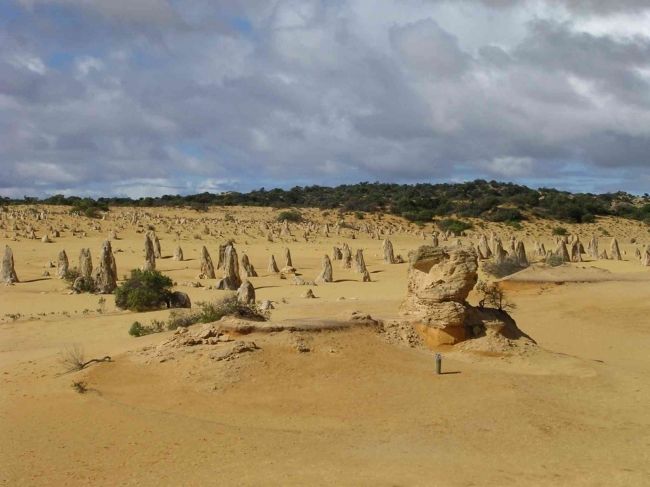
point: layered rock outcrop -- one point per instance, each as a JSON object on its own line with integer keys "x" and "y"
{"x": 439, "y": 282}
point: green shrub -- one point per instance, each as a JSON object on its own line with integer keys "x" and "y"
{"x": 229, "y": 306}
{"x": 85, "y": 285}
{"x": 206, "y": 313}
{"x": 137, "y": 329}
{"x": 71, "y": 275}
{"x": 144, "y": 290}
{"x": 560, "y": 231}
{"x": 88, "y": 208}
{"x": 290, "y": 215}
{"x": 424, "y": 216}
{"x": 514, "y": 224}
{"x": 504, "y": 215}
{"x": 554, "y": 260}
{"x": 182, "y": 319}
{"x": 454, "y": 226}
{"x": 199, "y": 207}
{"x": 587, "y": 218}
{"x": 91, "y": 212}
{"x": 494, "y": 296}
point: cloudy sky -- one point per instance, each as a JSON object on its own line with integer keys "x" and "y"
{"x": 150, "y": 97}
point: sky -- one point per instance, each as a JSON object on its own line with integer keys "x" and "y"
{"x": 150, "y": 97}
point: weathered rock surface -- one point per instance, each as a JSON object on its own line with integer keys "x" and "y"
{"x": 231, "y": 279}
{"x": 437, "y": 275}
{"x": 247, "y": 268}
{"x": 179, "y": 299}
{"x": 389, "y": 256}
{"x": 273, "y": 266}
{"x": 85, "y": 263}
{"x": 62, "y": 265}
{"x": 178, "y": 254}
{"x": 149, "y": 254}
{"x": 246, "y": 293}
{"x": 326, "y": 274}
{"x": 207, "y": 267}
{"x": 439, "y": 282}
{"x": 106, "y": 273}
{"x": 8, "y": 271}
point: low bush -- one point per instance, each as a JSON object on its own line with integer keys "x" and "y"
{"x": 423, "y": 216}
{"x": 71, "y": 275}
{"x": 504, "y": 215}
{"x": 80, "y": 386}
{"x": 206, "y": 313}
{"x": 457, "y": 227}
{"x": 554, "y": 260}
{"x": 493, "y": 296}
{"x": 144, "y": 290}
{"x": 229, "y": 306}
{"x": 290, "y": 215}
{"x": 182, "y": 319}
{"x": 560, "y": 231}
{"x": 138, "y": 329}
{"x": 514, "y": 224}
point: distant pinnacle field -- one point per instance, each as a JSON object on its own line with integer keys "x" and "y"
{"x": 271, "y": 351}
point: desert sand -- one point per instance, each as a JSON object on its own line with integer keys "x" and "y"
{"x": 357, "y": 408}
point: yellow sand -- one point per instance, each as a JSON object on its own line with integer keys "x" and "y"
{"x": 354, "y": 410}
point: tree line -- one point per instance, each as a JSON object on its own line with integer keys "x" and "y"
{"x": 490, "y": 200}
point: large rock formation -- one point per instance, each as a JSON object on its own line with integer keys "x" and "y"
{"x": 62, "y": 265}
{"x": 247, "y": 267}
{"x": 231, "y": 279}
{"x": 106, "y": 273}
{"x": 156, "y": 246}
{"x": 246, "y": 293}
{"x": 645, "y": 257}
{"x": 499, "y": 255}
{"x": 346, "y": 257}
{"x": 85, "y": 263}
{"x": 576, "y": 251}
{"x": 484, "y": 251}
{"x": 389, "y": 256}
{"x": 360, "y": 265}
{"x": 593, "y": 248}
{"x": 562, "y": 252}
{"x": 178, "y": 254}
{"x": 273, "y": 266}
{"x": 221, "y": 261}
{"x": 326, "y": 274}
{"x": 149, "y": 254}
{"x": 337, "y": 254}
{"x": 520, "y": 254}
{"x": 8, "y": 271}
{"x": 439, "y": 282}
{"x": 179, "y": 300}
{"x": 615, "y": 252}
{"x": 287, "y": 258}
{"x": 207, "y": 267}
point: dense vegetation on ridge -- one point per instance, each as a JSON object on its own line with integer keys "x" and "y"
{"x": 490, "y": 200}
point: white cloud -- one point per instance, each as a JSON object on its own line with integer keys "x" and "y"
{"x": 31, "y": 63}
{"x": 169, "y": 97}
{"x": 511, "y": 167}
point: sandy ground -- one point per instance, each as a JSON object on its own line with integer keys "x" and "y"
{"x": 354, "y": 410}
